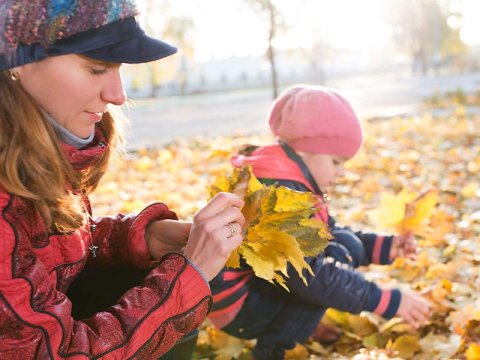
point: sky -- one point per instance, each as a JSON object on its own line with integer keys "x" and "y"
{"x": 471, "y": 27}
{"x": 243, "y": 34}
{"x": 226, "y": 28}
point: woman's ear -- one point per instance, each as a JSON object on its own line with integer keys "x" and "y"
{"x": 14, "y": 74}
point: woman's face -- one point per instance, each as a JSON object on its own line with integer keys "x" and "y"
{"x": 74, "y": 89}
{"x": 325, "y": 169}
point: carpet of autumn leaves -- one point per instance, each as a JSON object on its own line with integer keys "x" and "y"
{"x": 418, "y": 153}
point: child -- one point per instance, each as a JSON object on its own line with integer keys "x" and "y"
{"x": 317, "y": 132}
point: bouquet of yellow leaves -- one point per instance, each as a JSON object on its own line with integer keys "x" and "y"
{"x": 279, "y": 227}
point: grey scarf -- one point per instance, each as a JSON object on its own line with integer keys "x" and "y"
{"x": 67, "y": 136}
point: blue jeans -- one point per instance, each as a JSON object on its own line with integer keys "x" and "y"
{"x": 275, "y": 318}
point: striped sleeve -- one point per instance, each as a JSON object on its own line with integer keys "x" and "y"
{"x": 380, "y": 253}
{"x": 384, "y": 302}
{"x": 230, "y": 289}
{"x": 377, "y": 247}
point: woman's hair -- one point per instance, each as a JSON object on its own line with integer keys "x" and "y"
{"x": 33, "y": 165}
{"x": 247, "y": 149}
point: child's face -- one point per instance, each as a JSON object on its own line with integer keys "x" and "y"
{"x": 325, "y": 168}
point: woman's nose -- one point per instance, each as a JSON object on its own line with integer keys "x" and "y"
{"x": 114, "y": 93}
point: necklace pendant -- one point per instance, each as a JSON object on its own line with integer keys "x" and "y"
{"x": 93, "y": 250}
{"x": 326, "y": 197}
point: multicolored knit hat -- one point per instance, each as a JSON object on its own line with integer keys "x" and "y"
{"x": 31, "y": 30}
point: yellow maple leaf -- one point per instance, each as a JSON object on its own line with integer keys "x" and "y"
{"x": 290, "y": 201}
{"x": 473, "y": 352}
{"x": 234, "y": 260}
{"x": 404, "y": 211}
{"x": 299, "y": 352}
{"x": 226, "y": 346}
{"x": 418, "y": 211}
{"x": 221, "y": 183}
{"x": 391, "y": 210}
{"x": 470, "y": 340}
{"x": 406, "y": 346}
{"x": 279, "y": 228}
{"x": 361, "y": 325}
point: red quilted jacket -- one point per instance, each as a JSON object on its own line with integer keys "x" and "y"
{"x": 37, "y": 267}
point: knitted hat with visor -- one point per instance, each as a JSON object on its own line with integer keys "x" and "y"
{"x": 105, "y": 30}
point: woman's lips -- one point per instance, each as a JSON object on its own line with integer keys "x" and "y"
{"x": 95, "y": 116}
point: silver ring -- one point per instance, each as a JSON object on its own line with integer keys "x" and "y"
{"x": 233, "y": 229}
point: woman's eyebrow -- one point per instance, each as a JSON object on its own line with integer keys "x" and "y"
{"x": 99, "y": 62}
{"x": 103, "y": 63}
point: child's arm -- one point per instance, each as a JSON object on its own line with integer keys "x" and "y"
{"x": 341, "y": 287}
{"x": 377, "y": 247}
{"x": 381, "y": 249}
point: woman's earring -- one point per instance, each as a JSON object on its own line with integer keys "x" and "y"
{"x": 14, "y": 75}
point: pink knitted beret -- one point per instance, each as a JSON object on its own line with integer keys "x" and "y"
{"x": 316, "y": 120}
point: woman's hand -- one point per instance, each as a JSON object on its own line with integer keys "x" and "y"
{"x": 403, "y": 246}
{"x": 414, "y": 309}
{"x": 167, "y": 235}
{"x": 212, "y": 239}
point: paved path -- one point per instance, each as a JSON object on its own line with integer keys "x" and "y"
{"x": 162, "y": 120}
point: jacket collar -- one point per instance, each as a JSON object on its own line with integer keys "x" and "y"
{"x": 278, "y": 162}
{"x": 88, "y": 155}
{"x": 303, "y": 167}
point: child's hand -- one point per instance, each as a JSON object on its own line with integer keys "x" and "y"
{"x": 414, "y": 309}
{"x": 403, "y": 246}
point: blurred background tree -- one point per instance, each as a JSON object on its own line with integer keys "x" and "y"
{"x": 267, "y": 10}
{"x": 428, "y": 30}
{"x": 247, "y": 44}
{"x": 178, "y": 29}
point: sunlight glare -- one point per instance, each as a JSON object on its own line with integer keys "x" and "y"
{"x": 350, "y": 24}
{"x": 228, "y": 29}
{"x": 470, "y": 32}
{"x": 231, "y": 28}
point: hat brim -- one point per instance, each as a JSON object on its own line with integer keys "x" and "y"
{"x": 133, "y": 51}
{"x": 122, "y": 41}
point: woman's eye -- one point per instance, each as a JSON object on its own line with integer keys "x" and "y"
{"x": 98, "y": 71}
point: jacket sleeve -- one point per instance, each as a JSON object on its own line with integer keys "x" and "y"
{"x": 121, "y": 238}
{"x": 377, "y": 247}
{"x": 339, "y": 286}
{"x": 333, "y": 285}
{"x": 36, "y": 321}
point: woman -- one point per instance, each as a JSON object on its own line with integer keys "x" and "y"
{"x": 59, "y": 77}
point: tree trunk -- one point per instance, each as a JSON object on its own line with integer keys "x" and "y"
{"x": 271, "y": 50}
